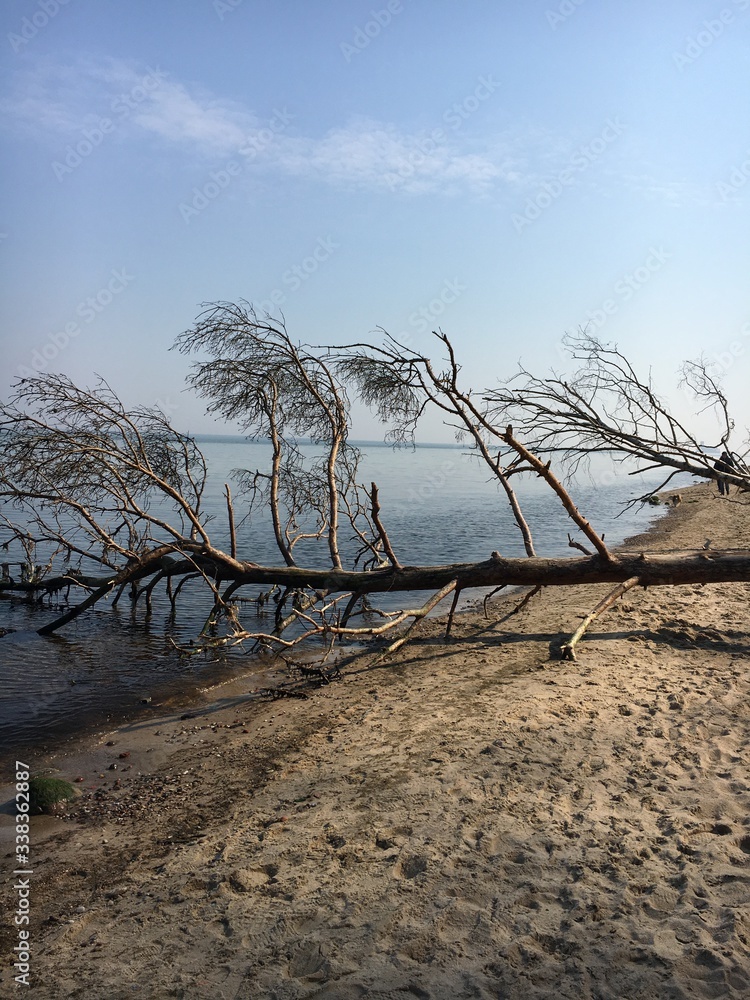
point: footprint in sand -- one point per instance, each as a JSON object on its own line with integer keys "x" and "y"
{"x": 667, "y": 946}
{"x": 412, "y": 866}
{"x": 663, "y": 899}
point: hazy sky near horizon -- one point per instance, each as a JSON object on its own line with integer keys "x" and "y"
{"x": 505, "y": 171}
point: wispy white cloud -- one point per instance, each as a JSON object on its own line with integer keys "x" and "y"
{"x": 207, "y": 124}
{"x": 376, "y": 155}
{"x": 55, "y": 99}
{"x": 669, "y": 191}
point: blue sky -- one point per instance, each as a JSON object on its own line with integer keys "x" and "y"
{"x": 507, "y": 171}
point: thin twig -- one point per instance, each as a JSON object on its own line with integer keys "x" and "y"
{"x": 230, "y": 516}
{"x": 573, "y": 544}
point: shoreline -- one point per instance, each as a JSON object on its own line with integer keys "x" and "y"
{"x": 175, "y": 694}
{"x": 472, "y": 816}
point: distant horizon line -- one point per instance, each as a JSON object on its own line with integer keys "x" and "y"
{"x": 232, "y": 438}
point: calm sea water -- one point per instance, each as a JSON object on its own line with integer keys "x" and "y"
{"x": 438, "y": 505}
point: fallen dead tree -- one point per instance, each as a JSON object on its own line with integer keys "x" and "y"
{"x": 113, "y": 498}
{"x": 605, "y": 407}
{"x": 655, "y": 569}
{"x": 329, "y": 587}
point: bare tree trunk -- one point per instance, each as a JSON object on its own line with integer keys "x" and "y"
{"x": 648, "y": 569}
{"x": 652, "y": 569}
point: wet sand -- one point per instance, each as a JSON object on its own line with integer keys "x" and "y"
{"x": 471, "y": 819}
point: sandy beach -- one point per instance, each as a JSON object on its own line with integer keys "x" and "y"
{"x": 471, "y": 819}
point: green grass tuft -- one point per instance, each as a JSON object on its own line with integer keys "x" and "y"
{"x": 47, "y": 792}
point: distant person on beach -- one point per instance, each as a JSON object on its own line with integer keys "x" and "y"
{"x": 725, "y": 465}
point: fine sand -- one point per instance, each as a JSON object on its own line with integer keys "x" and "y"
{"x": 473, "y": 819}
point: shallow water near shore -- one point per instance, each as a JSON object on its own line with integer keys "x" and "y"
{"x": 438, "y": 506}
